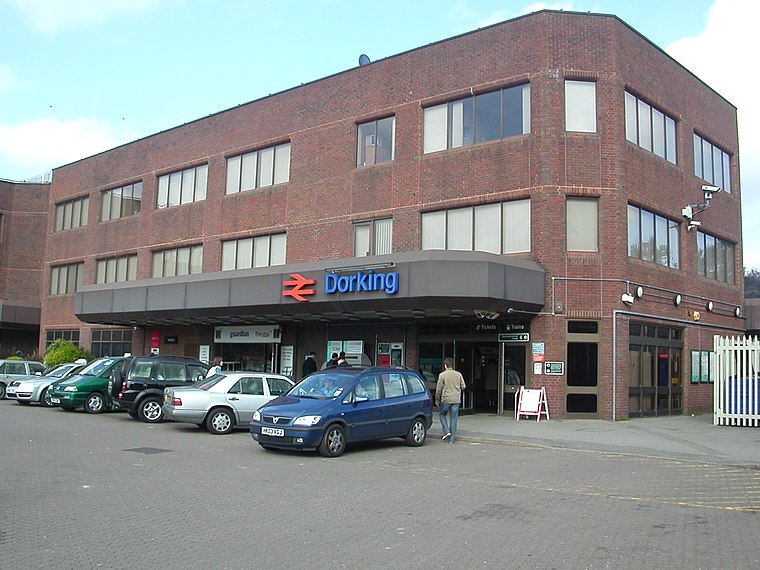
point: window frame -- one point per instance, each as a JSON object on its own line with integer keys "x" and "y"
{"x": 372, "y": 129}
{"x": 704, "y": 147}
{"x": 672, "y": 252}
{"x": 275, "y": 255}
{"x": 168, "y": 260}
{"x": 574, "y": 239}
{"x": 258, "y": 168}
{"x": 580, "y": 106}
{"x": 170, "y": 192}
{"x": 376, "y": 245}
{"x": 71, "y": 214}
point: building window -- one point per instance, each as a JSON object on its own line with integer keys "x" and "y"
{"x": 477, "y": 119}
{"x": 71, "y": 214}
{"x": 71, "y": 336}
{"x": 652, "y": 237}
{"x": 373, "y": 237}
{"x": 650, "y": 128}
{"x": 257, "y": 169}
{"x": 501, "y": 228}
{"x": 715, "y": 258}
{"x": 121, "y": 202}
{"x": 376, "y": 141}
{"x": 66, "y": 279}
{"x": 116, "y": 269}
{"x": 182, "y": 187}
{"x": 111, "y": 342}
{"x": 711, "y": 163}
{"x": 176, "y": 262}
{"x": 259, "y": 251}
{"x": 582, "y": 224}
{"x": 580, "y": 106}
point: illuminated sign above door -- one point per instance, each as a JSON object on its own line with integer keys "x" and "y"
{"x": 299, "y": 288}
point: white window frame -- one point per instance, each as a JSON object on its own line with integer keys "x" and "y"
{"x": 257, "y": 251}
{"x": 582, "y": 224}
{"x": 580, "y": 106}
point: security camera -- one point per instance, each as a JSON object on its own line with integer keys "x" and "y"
{"x": 708, "y": 189}
{"x": 627, "y": 298}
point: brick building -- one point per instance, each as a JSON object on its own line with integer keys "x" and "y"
{"x": 23, "y": 211}
{"x": 536, "y": 199}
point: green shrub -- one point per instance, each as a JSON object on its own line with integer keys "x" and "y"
{"x": 61, "y": 351}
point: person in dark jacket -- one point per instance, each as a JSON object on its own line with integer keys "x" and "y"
{"x": 333, "y": 361}
{"x": 309, "y": 364}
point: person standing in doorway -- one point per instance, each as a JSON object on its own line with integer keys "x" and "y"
{"x": 448, "y": 396}
{"x": 309, "y": 364}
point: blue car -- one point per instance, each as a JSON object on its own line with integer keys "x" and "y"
{"x": 334, "y": 407}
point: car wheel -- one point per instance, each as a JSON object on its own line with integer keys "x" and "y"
{"x": 333, "y": 441}
{"x": 417, "y": 433}
{"x": 150, "y": 411}
{"x": 220, "y": 421}
{"x": 94, "y": 404}
{"x": 45, "y": 399}
{"x": 2, "y": 391}
{"x": 132, "y": 414}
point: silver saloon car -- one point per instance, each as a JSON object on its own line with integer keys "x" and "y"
{"x": 223, "y": 401}
{"x": 29, "y": 389}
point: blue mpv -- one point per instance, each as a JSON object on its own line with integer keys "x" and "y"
{"x": 336, "y": 406}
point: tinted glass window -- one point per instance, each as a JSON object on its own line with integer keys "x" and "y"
{"x": 252, "y": 385}
{"x": 416, "y": 385}
{"x": 277, "y": 386}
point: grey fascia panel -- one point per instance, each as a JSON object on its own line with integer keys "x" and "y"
{"x": 166, "y": 297}
{"x": 95, "y": 302}
{"x": 208, "y": 294}
{"x": 129, "y": 300}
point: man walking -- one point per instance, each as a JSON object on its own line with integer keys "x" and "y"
{"x": 448, "y": 395}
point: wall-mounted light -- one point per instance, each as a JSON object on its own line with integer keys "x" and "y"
{"x": 639, "y": 292}
{"x": 738, "y": 312}
{"x": 677, "y": 300}
{"x": 710, "y": 306}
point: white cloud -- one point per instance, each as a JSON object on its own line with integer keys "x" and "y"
{"x": 722, "y": 57}
{"x": 50, "y": 16}
{"x": 9, "y": 82}
{"x": 37, "y": 146}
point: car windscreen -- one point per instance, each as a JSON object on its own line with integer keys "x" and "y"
{"x": 59, "y": 372}
{"x": 207, "y": 383}
{"x": 97, "y": 367}
{"x": 323, "y": 386}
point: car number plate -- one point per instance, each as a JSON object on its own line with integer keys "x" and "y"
{"x": 55, "y": 400}
{"x": 279, "y": 432}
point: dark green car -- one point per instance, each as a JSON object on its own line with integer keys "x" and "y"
{"x": 88, "y": 388}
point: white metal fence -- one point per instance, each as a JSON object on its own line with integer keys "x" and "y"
{"x": 737, "y": 381}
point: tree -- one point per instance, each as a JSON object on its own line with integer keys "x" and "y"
{"x": 752, "y": 284}
{"x": 61, "y": 351}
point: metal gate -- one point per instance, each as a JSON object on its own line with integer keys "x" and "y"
{"x": 736, "y": 396}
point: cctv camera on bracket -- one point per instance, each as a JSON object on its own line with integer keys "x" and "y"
{"x": 709, "y": 189}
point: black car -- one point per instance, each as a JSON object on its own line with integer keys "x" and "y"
{"x": 138, "y": 387}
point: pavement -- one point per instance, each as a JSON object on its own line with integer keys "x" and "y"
{"x": 686, "y": 437}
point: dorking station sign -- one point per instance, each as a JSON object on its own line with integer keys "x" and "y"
{"x": 300, "y": 288}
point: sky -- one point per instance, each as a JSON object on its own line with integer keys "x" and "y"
{"x": 78, "y": 77}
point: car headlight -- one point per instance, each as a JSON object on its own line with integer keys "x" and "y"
{"x": 256, "y": 416}
{"x": 70, "y": 389}
{"x": 307, "y": 421}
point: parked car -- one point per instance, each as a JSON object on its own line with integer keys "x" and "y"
{"x": 11, "y": 370}
{"x": 337, "y": 406}
{"x": 224, "y": 400}
{"x": 139, "y": 386}
{"x": 30, "y": 389}
{"x": 88, "y": 388}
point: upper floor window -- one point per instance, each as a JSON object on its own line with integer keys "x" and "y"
{"x": 711, "y": 163}
{"x": 376, "y": 141}
{"x": 494, "y": 228}
{"x": 121, "y": 202}
{"x": 582, "y": 224}
{"x": 264, "y": 167}
{"x": 71, "y": 214}
{"x": 715, "y": 258}
{"x": 650, "y": 128}
{"x": 180, "y": 261}
{"x": 477, "y": 119}
{"x": 652, "y": 237}
{"x": 580, "y": 106}
{"x": 66, "y": 279}
{"x": 259, "y": 251}
{"x": 116, "y": 269}
{"x": 182, "y": 187}
{"x": 373, "y": 237}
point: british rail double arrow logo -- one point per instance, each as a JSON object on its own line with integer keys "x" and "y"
{"x": 297, "y": 285}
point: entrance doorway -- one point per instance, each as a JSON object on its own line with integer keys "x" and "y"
{"x": 512, "y": 373}
{"x": 582, "y": 391}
